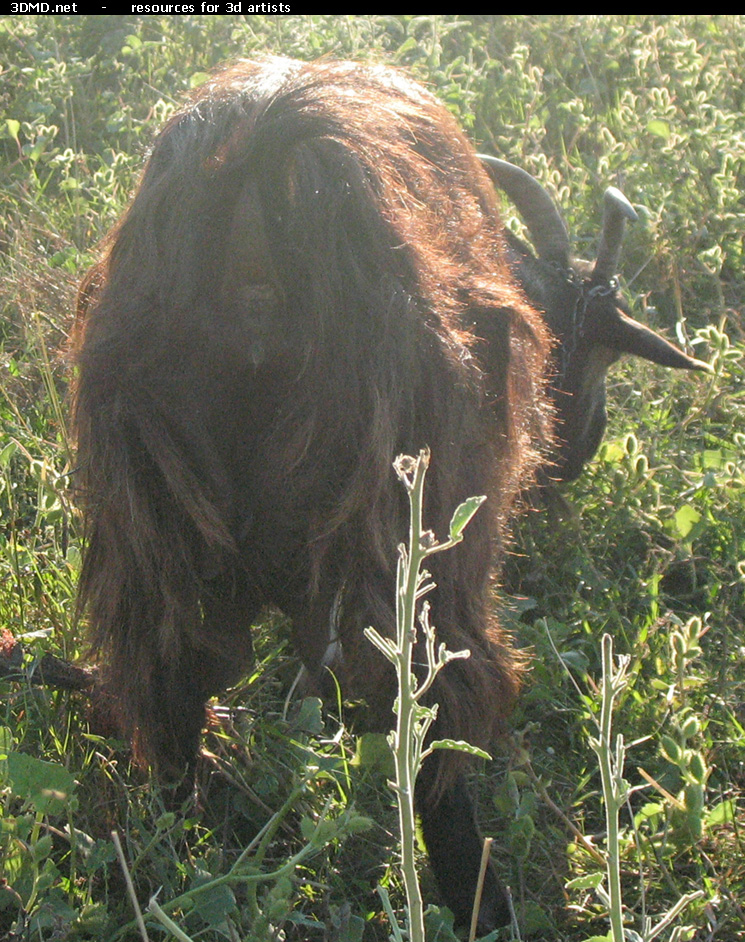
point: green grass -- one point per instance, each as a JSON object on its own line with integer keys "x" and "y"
{"x": 650, "y": 545}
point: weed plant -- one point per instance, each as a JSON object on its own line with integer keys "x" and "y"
{"x": 647, "y": 546}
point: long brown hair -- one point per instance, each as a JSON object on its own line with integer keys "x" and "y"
{"x": 302, "y": 288}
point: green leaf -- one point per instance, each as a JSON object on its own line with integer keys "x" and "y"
{"x": 459, "y": 746}
{"x": 92, "y": 921}
{"x": 694, "y": 798}
{"x": 321, "y": 832}
{"x": 47, "y": 785}
{"x": 650, "y": 809}
{"x": 576, "y": 661}
{"x": 671, "y": 750}
{"x": 588, "y": 882}
{"x": 215, "y": 904}
{"x": 7, "y": 453}
{"x": 353, "y": 823}
{"x": 54, "y": 913}
{"x": 310, "y": 716}
{"x": 723, "y": 813}
{"x": 462, "y": 516}
{"x": 659, "y": 128}
{"x": 438, "y": 923}
{"x": 6, "y": 742}
{"x": 347, "y": 928}
{"x": 691, "y": 727}
{"x": 697, "y": 768}
{"x": 41, "y": 848}
{"x": 536, "y": 921}
{"x": 13, "y": 127}
{"x": 686, "y": 517}
{"x": 374, "y": 752}
{"x": 712, "y": 458}
{"x": 98, "y": 856}
{"x": 519, "y": 836}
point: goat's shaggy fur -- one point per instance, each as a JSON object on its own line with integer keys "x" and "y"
{"x": 302, "y": 288}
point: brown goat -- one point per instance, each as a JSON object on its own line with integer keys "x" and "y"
{"x": 290, "y": 302}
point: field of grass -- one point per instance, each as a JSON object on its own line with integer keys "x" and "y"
{"x": 296, "y": 825}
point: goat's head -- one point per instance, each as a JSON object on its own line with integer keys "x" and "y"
{"x": 584, "y": 310}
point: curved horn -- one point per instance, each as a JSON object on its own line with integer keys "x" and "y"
{"x": 538, "y": 210}
{"x": 617, "y": 211}
{"x": 626, "y": 335}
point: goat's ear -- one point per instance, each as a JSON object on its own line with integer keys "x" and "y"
{"x": 626, "y": 335}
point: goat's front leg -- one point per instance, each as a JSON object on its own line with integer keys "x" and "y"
{"x": 454, "y": 845}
